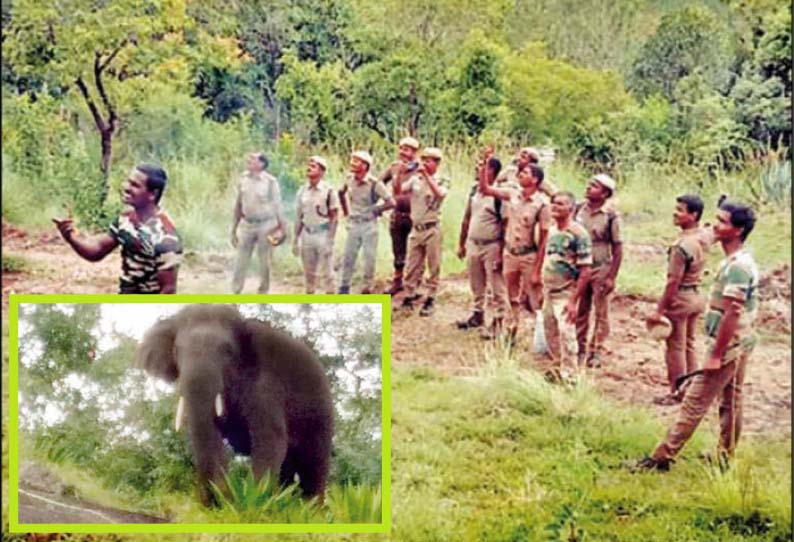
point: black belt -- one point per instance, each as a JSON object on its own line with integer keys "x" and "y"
{"x": 688, "y": 287}
{"x": 316, "y": 228}
{"x": 258, "y": 220}
{"x": 426, "y": 226}
{"x": 521, "y": 251}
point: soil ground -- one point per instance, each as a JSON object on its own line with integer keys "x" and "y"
{"x": 632, "y": 373}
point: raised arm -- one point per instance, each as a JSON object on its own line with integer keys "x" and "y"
{"x": 93, "y": 248}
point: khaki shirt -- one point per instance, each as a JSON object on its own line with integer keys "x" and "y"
{"x": 364, "y": 196}
{"x": 523, "y": 215}
{"x": 484, "y": 224}
{"x": 402, "y": 203}
{"x": 260, "y": 196}
{"x": 689, "y": 254}
{"x": 425, "y": 206}
{"x": 566, "y": 251}
{"x": 603, "y": 225}
{"x": 313, "y": 204}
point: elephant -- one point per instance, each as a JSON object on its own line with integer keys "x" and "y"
{"x": 245, "y": 381}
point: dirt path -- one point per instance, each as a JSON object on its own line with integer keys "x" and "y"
{"x": 633, "y": 373}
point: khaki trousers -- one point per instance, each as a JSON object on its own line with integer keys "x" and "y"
{"x": 595, "y": 299}
{"x": 484, "y": 264}
{"x": 316, "y": 255}
{"x": 560, "y": 335}
{"x": 360, "y": 235}
{"x": 517, "y": 271}
{"x": 423, "y": 245}
{"x": 727, "y": 383}
{"x": 248, "y": 237}
{"x": 680, "y": 353}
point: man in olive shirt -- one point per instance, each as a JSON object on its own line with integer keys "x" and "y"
{"x": 317, "y": 207}
{"x": 602, "y": 222}
{"x": 362, "y": 211}
{"x": 427, "y": 192}
{"x": 681, "y": 301}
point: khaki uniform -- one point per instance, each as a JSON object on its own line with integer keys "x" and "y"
{"x": 603, "y": 226}
{"x": 424, "y": 241}
{"x": 737, "y": 278}
{"x": 508, "y": 178}
{"x": 687, "y": 255}
{"x": 362, "y": 227}
{"x": 566, "y": 252}
{"x": 317, "y": 246}
{"x": 260, "y": 198}
{"x": 526, "y": 216}
{"x": 484, "y": 254}
{"x": 400, "y": 221}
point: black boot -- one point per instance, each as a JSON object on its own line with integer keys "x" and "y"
{"x": 427, "y": 307}
{"x": 408, "y": 301}
{"x": 476, "y": 319}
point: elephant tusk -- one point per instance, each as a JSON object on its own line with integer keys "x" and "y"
{"x": 180, "y": 413}
{"x": 219, "y": 405}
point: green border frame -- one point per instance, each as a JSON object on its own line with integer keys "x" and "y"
{"x": 13, "y": 412}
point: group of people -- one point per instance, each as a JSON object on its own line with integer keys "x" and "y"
{"x": 529, "y": 247}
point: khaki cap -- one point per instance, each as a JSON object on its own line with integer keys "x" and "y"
{"x": 660, "y": 330}
{"x": 319, "y": 160}
{"x": 431, "y": 152}
{"x": 364, "y": 156}
{"x": 605, "y": 180}
{"x": 409, "y": 142}
{"x": 531, "y": 151}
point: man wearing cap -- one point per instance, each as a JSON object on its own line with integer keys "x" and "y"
{"x": 151, "y": 250}
{"x": 362, "y": 211}
{"x": 681, "y": 302}
{"x": 258, "y": 214}
{"x": 602, "y": 222}
{"x": 509, "y": 175}
{"x": 528, "y": 222}
{"x": 566, "y": 273}
{"x": 427, "y": 193}
{"x": 400, "y": 222}
{"x": 731, "y": 313}
{"x": 317, "y": 205}
{"x": 481, "y": 240}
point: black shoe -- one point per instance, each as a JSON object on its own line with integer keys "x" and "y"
{"x": 408, "y": 301}
{"x": 476, "y": 319}
{"x": 649, "y": 464}
{"x": 344, "y": 289}
{"x": 427, "y": 308}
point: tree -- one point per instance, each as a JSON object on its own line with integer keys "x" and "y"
{"x": 108, "y": 52}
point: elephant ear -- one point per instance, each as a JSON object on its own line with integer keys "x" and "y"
{"x": 155, "y": 354}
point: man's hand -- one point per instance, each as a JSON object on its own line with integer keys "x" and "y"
{"x": 535, "y": 277}
{"x": 65, "y": 227}
{"x": 654, "y": 317}
{"x": 607, "y": 286}
{"x": 712, "y": 363}
{"x": 462, "y": 251}
{"x": 570, "y": 311}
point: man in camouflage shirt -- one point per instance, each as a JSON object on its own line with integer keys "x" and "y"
{"x": 732, "y": 308}
{"x": 566, "y": 272}
{"x": 150, "y": 247}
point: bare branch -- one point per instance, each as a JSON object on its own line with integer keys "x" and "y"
{"x": 100, "y": 122}
{"x": 112, "y": 55}
{"x": 103, "y": 94}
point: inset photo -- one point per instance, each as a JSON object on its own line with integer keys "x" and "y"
{"x": 199, "y": 416}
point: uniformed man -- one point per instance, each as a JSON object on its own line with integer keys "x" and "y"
{"x": 362, "y": 211}
{"x": 258, "y": 217}
{"x": 566, "y": 273}
{"x": 526, "y": 156}
{"x": 732, "y": 308}
{"x": 528, "y": 220}
{"x": 400, "y": 221}
{"x": 151, "y": 250}
{"x": 681, "y": 301}
{"x": 317, "y": 205}
{"x": 602, "y": 222}
{"x": 481, "y": 240}
{"x": 427, "y": 192}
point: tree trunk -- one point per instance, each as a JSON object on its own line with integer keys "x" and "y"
{"x": 104, "y": 163}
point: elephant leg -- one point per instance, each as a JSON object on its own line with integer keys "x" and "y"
{"x": 208, "y": 454}
{"x": 268, "y": 441}
{"x": 313, "y": 457}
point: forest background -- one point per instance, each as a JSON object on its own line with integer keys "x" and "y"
{"x": 667, "y": 96}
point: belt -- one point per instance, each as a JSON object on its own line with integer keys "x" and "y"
{"x": 258, "y": 220}
{"x": 482, "y": 243}
{"x": 688, "y": 287}
{"x": 316, "y": 228}
{"x": 522, "y": 250}
{"x": 426, "y": 226}
{"x": 358, "y": 218}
